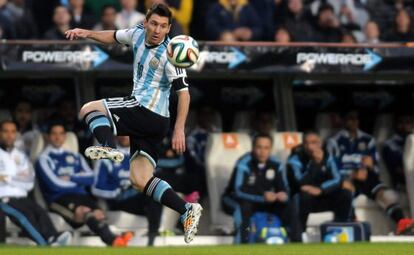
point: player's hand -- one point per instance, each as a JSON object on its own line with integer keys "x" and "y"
{"x": 3, "y": 178}
{"x": 281, "y": 196}
{"x": 269, "y": 196}
{"x": 311, "y": 190}
{"x": 348, "y": 186}
{"x": 76, "y": 33}
{"x": 178, "y": 141}
{"x": 361, "y": 174}
{"x": 64, "y": 177}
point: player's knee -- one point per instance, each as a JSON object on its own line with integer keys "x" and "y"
{"x": 387, "y": 197}
{"x": 99, "y": 214}
{"x": 138, "y": 182}
{"x": 81, "y": 212}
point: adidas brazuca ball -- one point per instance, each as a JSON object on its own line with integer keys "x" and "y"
{"x": 182, "y": 51}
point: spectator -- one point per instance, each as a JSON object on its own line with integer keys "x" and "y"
{"x": 112, "y": 184}
{"x": 82, "y": 17}
{"x": 315, "y": 181}
{"x": 372, "y": 33}
{"x": 402, "y": 31}
{"x": 257, "y": 184}
{"x": 108, "y": 17}
{"x": 7, "y": 29}
{"x": 23, "y": 116}
{"x": 328, "y": 26}
{"x": 61, "y": 20}
{"x": 266, "y": 9}
{"x": 393, "y": 149}
{"x": 24, "y": 22}
{"x": 298, "y": 21}
{"x": 16, "y": 180}
{"x": 356, "y": 155}
{"x": 198, "y": 19}
{"x": 282, "y": 35}
{"x": 348, "y": 38}
{"x": 64, "y": 177}
{"x": 128, "y": 17}
{"x": 233, "y": 20}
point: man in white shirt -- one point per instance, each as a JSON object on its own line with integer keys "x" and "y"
{"x": 128, "y": 16}
{"x": 16, "y": 180}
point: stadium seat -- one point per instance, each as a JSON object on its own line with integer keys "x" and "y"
{"x": 368, "y": 210}
{"x": 283, "y": 142}
{"x": 123, "y": 221}
{"x": 222, "y": 152}
{"x": 382, "y": 128}
{"x": 409, "y": 171}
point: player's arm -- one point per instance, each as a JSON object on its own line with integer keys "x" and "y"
{"x": 107, "y": 36}
{"x": 178, "y": 141}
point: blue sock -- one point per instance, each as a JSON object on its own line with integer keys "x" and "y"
{"x": 100, "y": 126}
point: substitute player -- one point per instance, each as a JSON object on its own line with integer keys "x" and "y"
{"x": 144, "y": 116}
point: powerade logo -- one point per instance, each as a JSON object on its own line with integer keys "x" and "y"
{"x": 232, "y": 59}
{"x": 368, "y": 60}
{"x": 94, "y": 57}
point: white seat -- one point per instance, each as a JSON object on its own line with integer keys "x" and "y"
{"x": 325, "y": 125}
{"x": 409, "y": 171}
{"x": 222, "y": 152}
{"x": 283, "y": 142}
{"x": 242, "y": 121}
{"x": 125, "y": 221}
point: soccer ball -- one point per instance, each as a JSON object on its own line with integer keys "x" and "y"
{"x": 182, "y": 51}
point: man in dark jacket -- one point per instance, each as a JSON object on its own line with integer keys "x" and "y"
{"x": 233, "y": 20}
{"x": 314, "y": 177}
{"x": 257, "y": 184}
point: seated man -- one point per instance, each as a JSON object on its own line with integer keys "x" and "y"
{"x": 64, "y": 178}
{"x": 256, "y": 185}
{"x": 112, "y": 184}
{"x": 315, "y": 181}
{"x": 16, "y": 180}
{"x": 357, "y": 158}
{"x": 392, "y": 151}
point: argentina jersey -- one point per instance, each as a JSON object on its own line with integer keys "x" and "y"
{"x": 153, "y": 73}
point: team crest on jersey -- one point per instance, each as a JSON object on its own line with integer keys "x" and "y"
{"x": 362, "y": 146}
{"x": 70, "y": 159}
{"x": 270, "y": 174}
{"x": 154, "y": 62}
{"x": 251, "y": 180}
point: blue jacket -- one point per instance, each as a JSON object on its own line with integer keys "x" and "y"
{"x": 349, "y": 152}
{"x": 306, "y": 172}
{"x": 54, "y": 163}
{"x": 112, "y": 179}
{"x": 249, "y": 180}
{"x": 219, "y": 19}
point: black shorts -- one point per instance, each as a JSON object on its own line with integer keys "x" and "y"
{"x": 146, "y": 129}
{"x": 67, "y": 204}
{"x": 370, "y": 186}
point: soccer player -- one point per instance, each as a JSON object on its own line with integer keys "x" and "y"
{"x": 144, "y": 116}
{"x": 357, "y": 158}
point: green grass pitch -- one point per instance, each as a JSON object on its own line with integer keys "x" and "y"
{"x": 290, "y": 249}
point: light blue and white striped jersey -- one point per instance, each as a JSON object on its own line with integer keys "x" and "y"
{"x": 153, "y": 73}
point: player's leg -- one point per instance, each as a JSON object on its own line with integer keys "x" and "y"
{"x": 141, "y": 169}
{"x": 99, "y": 120}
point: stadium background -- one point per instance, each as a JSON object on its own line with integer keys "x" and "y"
{"x": 303, "y": 84}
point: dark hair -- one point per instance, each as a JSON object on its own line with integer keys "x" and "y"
{"x": 262, "y": 135}
{"x": 107, "y": 6}
{"x": 310, "y": 132}
{"x": 161, "y": 10}
{"x": 3, "y": 122}
{"x": 325, "y": 7}
{"x": 53, "y": 124}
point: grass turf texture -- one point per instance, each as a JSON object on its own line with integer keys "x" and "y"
{"x": 291, "y": 249}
